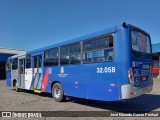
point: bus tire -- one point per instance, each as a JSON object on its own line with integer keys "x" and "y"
{"x": 16, "y": 87}
{"x": 58, "y": 93}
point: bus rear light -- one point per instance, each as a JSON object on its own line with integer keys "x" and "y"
{"x": 130, "y": 76}
{"x": 77, "y": 82}
{"x": 143, "y": 77}
{"x": 114, "y": 84}
{"x": 131, "y": 93}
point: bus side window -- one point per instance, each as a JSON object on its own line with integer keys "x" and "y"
{"x": 35, "y": 62}
{"x": 108, "y": 54}
{"x": 15, "y": 64}
{"x": 51, "y": 57}
{"x": 8, "y": 66}
{"x": 75, "y": 56}
{"x": 98, "y": 49}
{"x": 21, "y": 67}
{"x": 28, "y": 61}
{"x": 88, "y": 47}
{"x": 70, "y": 54}
{"x": 65, "y": 55}
{"x": 40, "y": 62}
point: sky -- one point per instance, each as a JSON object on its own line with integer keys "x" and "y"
{"x": 32, "y": 24}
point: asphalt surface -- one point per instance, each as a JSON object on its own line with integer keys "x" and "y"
{"x": 11, "y": 100}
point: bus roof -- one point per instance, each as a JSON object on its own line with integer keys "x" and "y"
{"x": 84, "y": 37}
{"x": 78, "y": 39}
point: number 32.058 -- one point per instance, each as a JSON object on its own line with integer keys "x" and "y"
{"x": 106, "y": 70}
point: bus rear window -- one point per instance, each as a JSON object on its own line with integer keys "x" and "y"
{"x": 141, "y": 46}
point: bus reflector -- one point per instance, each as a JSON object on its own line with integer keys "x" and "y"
{"x": 37, "y": 91}
{"x": 114, "y": 84}
{"x": 77, "y": 82}
{"x": 109, "y": 90}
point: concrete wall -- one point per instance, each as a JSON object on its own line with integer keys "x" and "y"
{"x": 4, "y": 54}
{"x": 11, "y": 51}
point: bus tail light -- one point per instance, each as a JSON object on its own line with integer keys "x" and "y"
{"x": 131, "y": 93}
{"x": 130, "y": 76}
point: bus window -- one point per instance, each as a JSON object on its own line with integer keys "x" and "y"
{"x": 22, "y": 66}
{"x": 14, "y": 63}
{"x": 64, "y": 54}
{"x": 51, "y": 57}
{"x": 140, "y": 44}
{"x": 40, "y": 61}
{"x": 35, "y": 62}
{"x": 70, "y": 54}
{"x": 75, "y": 56}
{"x": 8, "y": 65}
{"x": 99, "y": 49}
{"x": 28, "y": 61}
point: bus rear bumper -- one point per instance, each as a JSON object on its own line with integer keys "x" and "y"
{"x": 129, "y": 91}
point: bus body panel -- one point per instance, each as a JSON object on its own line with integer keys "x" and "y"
{"x": 83, "y": 80}
{"x": 28, "y": 78}
{"x": 8, "y": 72}
{"x": 8, "y": 78}
{"x": 123, "y": 55}
{"x": 104, "y": 85}
{"x": 14, "y": 76}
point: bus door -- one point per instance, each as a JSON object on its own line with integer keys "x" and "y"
{"x": 37, "y": 72}
{"x": 22, "y": 73}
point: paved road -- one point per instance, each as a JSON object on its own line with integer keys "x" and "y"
{"x": 29, "y": 101}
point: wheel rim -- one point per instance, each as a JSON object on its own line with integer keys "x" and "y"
{"x": 57, "y": 92}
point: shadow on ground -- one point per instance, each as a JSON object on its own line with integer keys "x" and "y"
{"x": 143, "y": 103}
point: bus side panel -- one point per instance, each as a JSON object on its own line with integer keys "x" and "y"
{"x": 75, "y": 81}
{"x": 8, "y": 78}
{"x": 83, "y": 81}
{"x": 71, "y": 81}
{"x": 104, "y": 85}
{"x": 28, "y": 78}
{"x": 14, "y": 76}
{"x": 46, "y": 82}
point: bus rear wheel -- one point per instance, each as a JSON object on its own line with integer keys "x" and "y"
{"x": 58, "y": 93}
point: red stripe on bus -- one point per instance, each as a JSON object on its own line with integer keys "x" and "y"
{"x": 45, "y": 81}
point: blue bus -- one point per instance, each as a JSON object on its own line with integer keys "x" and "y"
{"x": 108, "y": 65}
